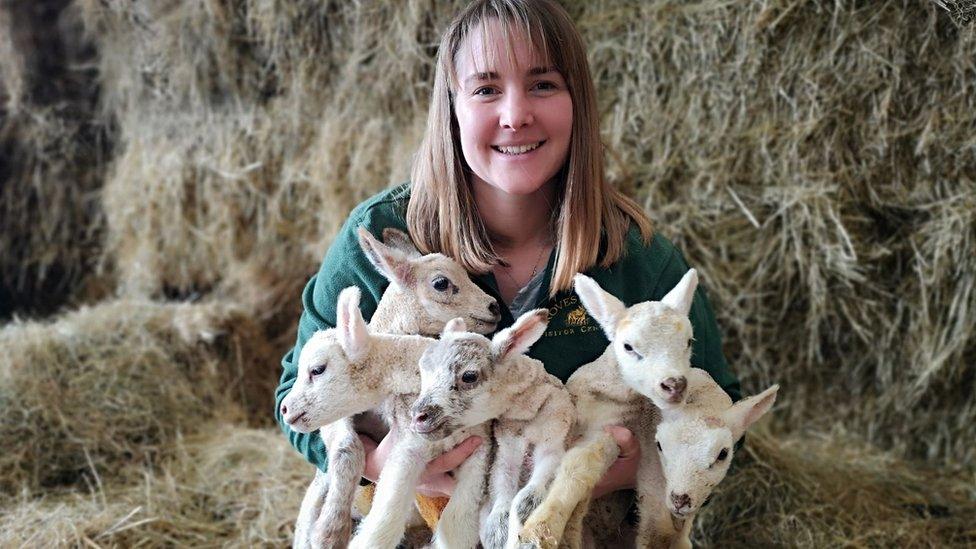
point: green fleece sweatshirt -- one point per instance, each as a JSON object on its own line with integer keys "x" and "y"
{"x": 573, "y": 338}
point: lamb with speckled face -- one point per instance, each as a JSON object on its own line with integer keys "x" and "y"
{"x": 425, "y": 292}
{"x": 466, "y": 380}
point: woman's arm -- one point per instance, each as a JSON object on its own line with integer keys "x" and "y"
{"x": 344, "y": 265}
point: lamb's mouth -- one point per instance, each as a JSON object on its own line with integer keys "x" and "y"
{"x": 431, "y": 430}
{"x": 302, "y": 417}
{"x": 516, "y": 151}
{"x": 488, "y": 323}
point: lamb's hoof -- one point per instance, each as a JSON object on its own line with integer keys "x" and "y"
{"x": 535, "y": 541}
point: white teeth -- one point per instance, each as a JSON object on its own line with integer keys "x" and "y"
{"x": 520, "y": 149}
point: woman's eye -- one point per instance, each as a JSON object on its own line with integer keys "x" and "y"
{"x": 469, "y": 377}
{"x": 484, "y": 91}
{"x": 317, "y": 370}
{"x": 546, "y": 86}
{"x": 723, "y": 454}
{"x": 441, "y": 284}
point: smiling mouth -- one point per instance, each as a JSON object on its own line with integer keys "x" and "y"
{"x": 518, "y": 149}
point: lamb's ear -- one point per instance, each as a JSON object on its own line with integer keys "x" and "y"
{"x": 517, "y": 338}
{"x": 392, "y": 263}
{"x": 681, "y": 296}
{"x": 400, "y": 240}
{"x": 352, "y": 329}
{"x": 605, "y": 308}
{"x": 744, "y": 413}
{"x": 455, "y": 325}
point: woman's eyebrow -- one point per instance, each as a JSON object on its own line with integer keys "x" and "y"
{"x": 492, "y": 75}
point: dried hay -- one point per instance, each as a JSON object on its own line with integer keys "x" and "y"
{"x": 816, "y": 162}
{"x": 112, "y": 386}
{"x": 248, "y": 133}
{"x": 52, "y": 159}
{"x": 228, "y": 485}
{"x": 831, "y": 492}
{"x": 241, "y": 487}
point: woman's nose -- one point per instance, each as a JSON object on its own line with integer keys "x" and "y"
{"x": 516, "y": 112}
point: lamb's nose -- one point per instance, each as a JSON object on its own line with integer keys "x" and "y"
{"x": 284, "y": 409}
{"x": 680, "y": 501}
{"x": 674, "y": 387}
{"x": 493, "y": 309}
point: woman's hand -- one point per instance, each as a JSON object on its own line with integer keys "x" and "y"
{"x": 436, "y": 481}
{"x": 622, "y": 475}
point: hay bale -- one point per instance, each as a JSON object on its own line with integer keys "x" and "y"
{"x": 109, "y": 387}
{"x": 228, "y": 485}
{"x": 52, "y": 159}
{"x": 815, "y": 162}
{"x": 247, "y": 136}
{"x": 831, "y": 492}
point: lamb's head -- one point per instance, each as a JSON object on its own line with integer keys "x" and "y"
{"x": 696, "y": 450}
{"x": 463, "y": 375}
{"x": 651, "y": 339}
{"x": 328, "y": 386}
{"x": 433, "y": 287}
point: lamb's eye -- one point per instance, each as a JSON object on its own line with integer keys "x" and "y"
{"x": 689, "y": 344}
{"x": 659, "y": 449}
{"x": 317, "y": 370}
{"x": 630, "y": 349}
{"x": 469, "y": 377}
{"x": 723, "y": 454}
{"x": 441, "y": 284}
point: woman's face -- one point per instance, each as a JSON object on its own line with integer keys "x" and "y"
{"x": 515, "y": 119}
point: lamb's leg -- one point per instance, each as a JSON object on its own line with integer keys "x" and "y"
{"x": 503, "y": 478}
{"x": 310, "y": 509}
{"x": 656, "y": 528}
{"x": 545, "y": 460}
{"x": 573, "y": 534}
{"x": 458, "y": 527}
{"x": 347, "y": 460}
{"x": 581, "y": 468}
{"x": 386, "y": 522}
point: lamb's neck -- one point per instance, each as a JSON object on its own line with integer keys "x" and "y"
{"x": 521, "y": 396}
{"x": 393, "y": 362}
{"x": 392, "y": 315}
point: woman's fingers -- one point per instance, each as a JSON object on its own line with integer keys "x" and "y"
{"x": 448, "y": 461}
{"x": 629, "y": 447}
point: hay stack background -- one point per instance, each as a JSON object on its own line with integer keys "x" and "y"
{"x": 815, "y": 160}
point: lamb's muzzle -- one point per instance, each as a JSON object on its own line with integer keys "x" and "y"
{"x": 674, "y": 388}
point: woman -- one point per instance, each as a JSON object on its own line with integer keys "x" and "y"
{"x": 509, "y": 181}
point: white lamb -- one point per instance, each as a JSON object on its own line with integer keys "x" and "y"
{"x": 642, "y": 371}
{"x": 696, "y": 443}
{"x": 425, "y": 292}
{"x": 348, "y": 370}
{"x": 467, "y": 380}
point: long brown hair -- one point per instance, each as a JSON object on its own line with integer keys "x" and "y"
{"x": 442, "y": 215}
